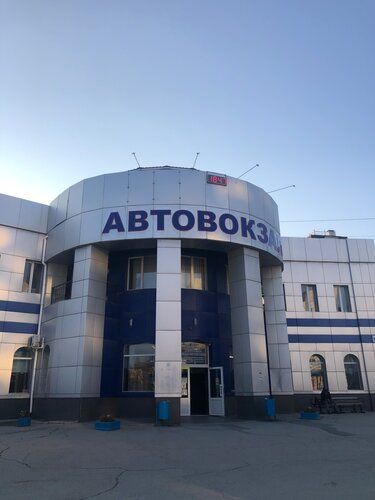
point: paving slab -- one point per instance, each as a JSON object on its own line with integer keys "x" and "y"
{"x": 203, "y": 458}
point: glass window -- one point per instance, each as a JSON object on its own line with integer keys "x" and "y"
{"x": 19, "y": 379}
{"x": 216, "y": 387}
{"x": 149, "y": 271}
{"x": 318, "y": 372}
{"x": 353, "y": 372}
{"x": 142, "y": 272}
{"x": 193, "y": 272}
{"x": 184, "y": 383}
{"x": 139, "y": 367}
{"x": 185, "y": 272}
{"x": 310, "y": 298}
{"x": 198, "y": 274}
{"x": 342, "y": 298}
{"x": 32, "y": 277}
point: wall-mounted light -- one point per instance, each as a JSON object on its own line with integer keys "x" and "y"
{"x": 131, "y": 322}
{"x": 195, "y": 321}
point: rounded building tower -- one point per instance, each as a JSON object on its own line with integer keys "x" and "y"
{"x": 163, "y": 283}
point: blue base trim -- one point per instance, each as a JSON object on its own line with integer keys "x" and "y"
{"x": 140, "y": 394}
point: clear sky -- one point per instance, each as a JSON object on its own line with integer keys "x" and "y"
{"x": 288, "y": 84}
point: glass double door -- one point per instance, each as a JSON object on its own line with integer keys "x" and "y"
{"x": 202, "y": 391}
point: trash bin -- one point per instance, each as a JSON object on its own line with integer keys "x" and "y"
{"x": 162, "y": 411}
{"x": 270, "y": 407}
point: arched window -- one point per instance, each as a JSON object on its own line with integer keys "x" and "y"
{"x": 20, "y": 377}
{"x": 318, "y": 372}
{"x": 353, "y": 372}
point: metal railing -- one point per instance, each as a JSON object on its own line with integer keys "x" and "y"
{"x": 61, "y": 292}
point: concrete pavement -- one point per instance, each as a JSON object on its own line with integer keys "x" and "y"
{"x": 204, "y": 458}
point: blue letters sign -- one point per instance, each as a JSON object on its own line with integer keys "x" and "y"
{"x": 201, "y": 220}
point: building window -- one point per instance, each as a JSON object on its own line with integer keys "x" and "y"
{"x": 310, "y": 298}
{"x": 353, "y": 373}
{"x": 342, "y": 298}
{"x": 193, "y": 273}
{"x": 318, "y": 372}
{"x": 139, "y": 367}
{"x": 32, "y": 277}
{"x": 19, "y": 379}
{"x": 142, "y": 272}
{"x": 63, "y": 291}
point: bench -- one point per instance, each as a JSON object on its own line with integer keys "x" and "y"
{"x": 339, "y": 404}
{"x": 326, "y": 406}
{"x": 348, "y": 403}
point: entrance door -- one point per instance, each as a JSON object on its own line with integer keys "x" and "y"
{"x": 216, "y": 400}
{"x": 185, "y": 392}
{"x": 198, "y": 391}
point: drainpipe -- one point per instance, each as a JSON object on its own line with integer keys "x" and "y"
{"x": 359, "y": 326}
{"x": 40, "y": 345}
{"x": 267, "y": 349}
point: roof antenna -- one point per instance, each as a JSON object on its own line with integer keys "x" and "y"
{"x": 250, "y": 169}
{"x": 136, "y": 159}
{"x": 285, "y": 187}
{"x": 196, "y": 158}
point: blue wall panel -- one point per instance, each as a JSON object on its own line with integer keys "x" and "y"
{"x": 16, "y": 327}
{"x": 130, "y": 318}
{"x": 328, "y": 322}
{"x": 21, "y": 307}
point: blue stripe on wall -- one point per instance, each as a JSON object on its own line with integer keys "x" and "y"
{"x": 327, "y": 322}
{"x": 367, "y": 322}
{"x": 21, "y": 307}
{"x": 329, "y": 339}
{"x": 14, "y": 327}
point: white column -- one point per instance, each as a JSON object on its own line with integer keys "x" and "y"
{"x": 277, "y": 332}
{"x": 168, "y": 320}
{"x": 90, "y": 282}
{"x": 74, "y": 328}
{"x": 248, "y": 334}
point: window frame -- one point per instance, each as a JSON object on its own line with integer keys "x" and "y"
{"x": 132, "y": 356}
{"x": 27, "y": 284}
{"x": 25, "y": 380}
{"x": 141, "y": 257}
{"x": 338, "y": 292}
{"x": 309, "y": 288}
{"x": 192, "y": 258}
{"x": 322, "y": 372}
{"x": 351, "y": 360}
